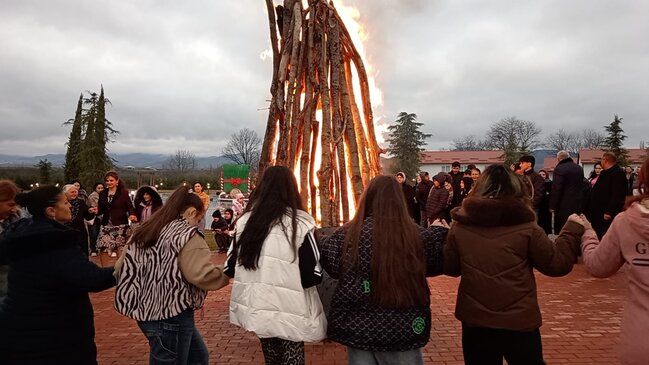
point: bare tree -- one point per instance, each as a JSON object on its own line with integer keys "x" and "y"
{"x": 591, "y": 139}
{"x": 468, "y": 143}
{"x": 244, "y": 147}
{"x": 564, "y": 140}
{"x": 182, "y": 160}
{"x": 514, "y": 136}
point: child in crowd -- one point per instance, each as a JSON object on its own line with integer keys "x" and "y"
{"x": 220, "y": 228}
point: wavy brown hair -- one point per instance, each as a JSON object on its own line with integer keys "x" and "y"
{"x": 398, "y": 269}
{"x": 147, "y": 234}
{"x": 643, "y": 185}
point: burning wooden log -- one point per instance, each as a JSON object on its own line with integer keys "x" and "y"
{"x": 315, "y": 126}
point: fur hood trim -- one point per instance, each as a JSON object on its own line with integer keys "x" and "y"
{"x": 488, "y": 212}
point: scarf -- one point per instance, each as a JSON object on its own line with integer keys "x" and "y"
{"x": 74, "y": 208}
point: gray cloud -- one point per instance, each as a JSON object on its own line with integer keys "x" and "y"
{"x": 188, "y": 75}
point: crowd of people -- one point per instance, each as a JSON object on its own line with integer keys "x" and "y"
{"x": 491, "y": 228}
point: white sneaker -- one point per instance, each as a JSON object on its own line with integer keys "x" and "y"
{"x": 113, "y": 254}
{"x": 93, "y": 254}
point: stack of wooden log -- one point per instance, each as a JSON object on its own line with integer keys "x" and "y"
{"x": 315, "y": 66}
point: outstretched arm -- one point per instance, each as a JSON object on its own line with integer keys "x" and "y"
{"x": 602, "y": 259}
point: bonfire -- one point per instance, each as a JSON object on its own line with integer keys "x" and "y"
{"x": 317, "y": 124}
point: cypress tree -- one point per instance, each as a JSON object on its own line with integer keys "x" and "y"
{"x": 71, "y": 170}
{"x": 94, "y": 157}
{"x": 614, "y": 141}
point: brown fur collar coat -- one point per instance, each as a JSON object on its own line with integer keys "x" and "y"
{"x": 489, "y": 212}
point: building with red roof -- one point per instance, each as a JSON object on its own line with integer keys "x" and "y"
{"x": 588, "y": 158}
{"x": 435, "y": 161}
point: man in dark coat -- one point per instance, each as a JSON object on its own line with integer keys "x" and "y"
{"x": 608, "y": 194}
{"x": 456, "y": 177}
{"x": 567, "y": 189}
{"x": 421, "y": 193}
{"x": 534, "y": 181}
{"x": 408, "y": 193}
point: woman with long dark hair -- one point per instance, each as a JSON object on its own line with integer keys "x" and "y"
{"x": 147, "y": 201}
{"x": 117, "y": 209}
{"x": 274, "y": 262}
{"x": 381, "y": 307}
{"x": 494, "y": 244}
{"x": 47, "y": 317}
{"x": 164, "y": 275}
{"x": 626, "y": 243}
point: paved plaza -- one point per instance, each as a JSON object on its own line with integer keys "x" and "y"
{"x": 581, "y": 317}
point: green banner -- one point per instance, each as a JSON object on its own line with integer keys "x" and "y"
{"x": 235, "y": 176}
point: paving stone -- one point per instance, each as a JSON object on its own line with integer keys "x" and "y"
{"x": 581, "y": 318}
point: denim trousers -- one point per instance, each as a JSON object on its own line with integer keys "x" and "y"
{"x": 362, "y": 357}
{"x": 175, "y": 341}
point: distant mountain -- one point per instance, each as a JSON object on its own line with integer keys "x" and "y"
{"x": 124, "y": 160}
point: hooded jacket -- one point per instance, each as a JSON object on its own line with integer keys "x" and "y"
{"x": 437, "y": 198}
{"x": 47, "y": 317}
{"x": 495, "y": 244}
{"x": 626, "y": 243}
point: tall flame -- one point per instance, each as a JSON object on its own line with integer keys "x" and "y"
{"x": 358, "y": 35}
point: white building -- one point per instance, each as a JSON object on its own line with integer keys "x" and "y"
{"x": 434, "y": 162}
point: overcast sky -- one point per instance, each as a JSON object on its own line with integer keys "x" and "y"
{"x": 188, "y": 74}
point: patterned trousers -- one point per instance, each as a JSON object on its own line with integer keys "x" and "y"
{"x": 282, "y": 352}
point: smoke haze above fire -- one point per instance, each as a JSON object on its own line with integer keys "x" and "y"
{"x": 189, "y": 74}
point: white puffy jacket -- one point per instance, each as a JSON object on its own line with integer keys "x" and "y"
{"x": 270, "y": 301}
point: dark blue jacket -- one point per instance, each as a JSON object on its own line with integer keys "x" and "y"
{"x": 47, "y": 317}
{"x": 567, "y": 188}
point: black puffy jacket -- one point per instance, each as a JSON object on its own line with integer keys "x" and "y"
{"x": 47, "y": 317}
{"x": 354, "y": 320}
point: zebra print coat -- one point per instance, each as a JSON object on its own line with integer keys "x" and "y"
{"x": 151, "y": 286}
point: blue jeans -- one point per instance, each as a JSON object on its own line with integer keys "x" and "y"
{"x": 175, "y": 341}
{"x": 361, "y": 357}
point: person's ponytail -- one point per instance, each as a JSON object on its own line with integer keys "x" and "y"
{"x": 37, "y": 200}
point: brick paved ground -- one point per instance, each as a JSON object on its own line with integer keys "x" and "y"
{"x": 581, "y": 317}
